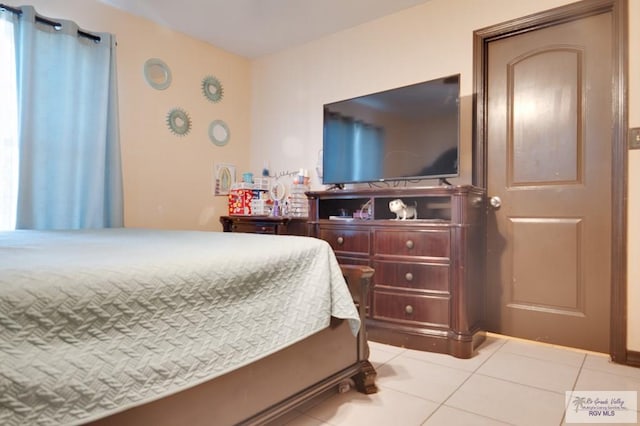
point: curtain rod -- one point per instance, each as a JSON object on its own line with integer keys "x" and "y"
{"x": 54, "y": 24}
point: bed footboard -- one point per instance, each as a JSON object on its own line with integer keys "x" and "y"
{"x": 362, "y": 373}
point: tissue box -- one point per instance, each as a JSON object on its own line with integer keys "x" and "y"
{"x": 240, "y": 201}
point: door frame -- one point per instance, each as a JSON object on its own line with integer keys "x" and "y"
{"x": 573, "y": 11}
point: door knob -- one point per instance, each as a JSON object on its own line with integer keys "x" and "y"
{"x": 495, "y": 202}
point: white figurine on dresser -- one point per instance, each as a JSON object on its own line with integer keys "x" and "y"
{"x": 402, "y": 210}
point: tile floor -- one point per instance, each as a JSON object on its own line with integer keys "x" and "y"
{"x": 508, "y": 381}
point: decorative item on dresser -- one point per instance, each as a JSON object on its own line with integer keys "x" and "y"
{"x": 279, "y": 225}
{"x": 427, "y": 292}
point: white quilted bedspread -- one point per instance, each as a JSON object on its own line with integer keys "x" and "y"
{"x": 93, "y": 322}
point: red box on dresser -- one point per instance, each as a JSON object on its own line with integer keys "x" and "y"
{"x": 240, "y": 201}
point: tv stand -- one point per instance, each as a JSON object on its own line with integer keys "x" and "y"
{"x": 427, "y": 289}
{"x": 444, "y": 181}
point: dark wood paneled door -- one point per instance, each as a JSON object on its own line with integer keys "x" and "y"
{"x": 548, "y": 173}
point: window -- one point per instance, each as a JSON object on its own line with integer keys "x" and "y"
{"x": 59, "y": 143}
{"x": 8, "y": 128}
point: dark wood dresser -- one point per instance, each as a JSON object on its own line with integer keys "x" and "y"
{"x": 427, "y": 291}
{"x": 265, "y": 225}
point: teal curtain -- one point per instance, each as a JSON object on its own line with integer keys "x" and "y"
{"x": 368, "y": 146}
{"x": 353, "y": 150}
{"x": 69, "y": 150}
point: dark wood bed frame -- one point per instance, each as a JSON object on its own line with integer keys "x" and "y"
{"x": 265, "y": 390}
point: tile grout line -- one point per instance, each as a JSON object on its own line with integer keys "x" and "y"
{"x": 575, "y": 382}
{"x": 470, "y": 412}
{"x": 543, "y": 359}
{"x": 562, "y": 364}
{"x": 462, "y": 384}
{"x": 404, "y": 350}
{"x": 476, "y": 373}
{"x": 521, "y": 384}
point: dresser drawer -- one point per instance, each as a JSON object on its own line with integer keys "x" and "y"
{"x": 418, "y": 276}
{"x": 254, "y": 228}
{"x": 429, "y": 310}
{"x": 346, "y": 240}
{"x": 431, "y": 243}
{"x": 265, "y": 225}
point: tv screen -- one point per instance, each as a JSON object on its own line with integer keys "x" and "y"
{"x": 407, "y": 133}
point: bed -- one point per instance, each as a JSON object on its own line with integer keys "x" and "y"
{"x": 137, "y": 326}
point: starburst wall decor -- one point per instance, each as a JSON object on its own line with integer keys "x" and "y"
{"x": 212, "y": 89}
{"x": 179, "y": 121}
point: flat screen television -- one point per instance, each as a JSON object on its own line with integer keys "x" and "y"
{"x": 406, "y": 133}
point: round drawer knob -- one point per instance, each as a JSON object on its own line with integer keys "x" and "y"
{"x": 409, "y": 244}
{"x": 340, "y": 240}
{"x": 408, "y": 276}
{"x": 408, "y": 309}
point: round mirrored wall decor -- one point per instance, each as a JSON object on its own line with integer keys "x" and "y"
{"x": 179, "y": 121}
{"x": 157, "y": 74}
{"x": 219, "y": 132}
{"x": 212, "y": 89}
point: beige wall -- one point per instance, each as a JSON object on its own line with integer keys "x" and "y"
{"x": 168, "y": 179}
{"x": 425, "y": 42}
